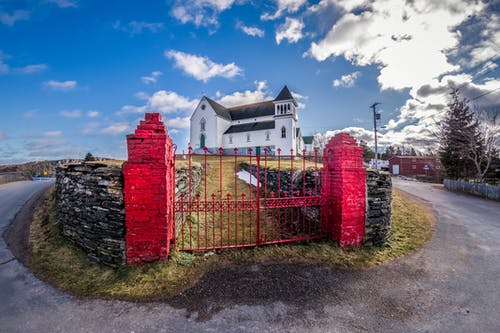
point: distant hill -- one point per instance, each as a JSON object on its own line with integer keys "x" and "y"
{"x": 46, "y": 168}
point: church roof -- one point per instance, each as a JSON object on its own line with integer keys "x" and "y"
{"x": 219, "y": 109}
{"x": 308, "y": 140}
{"x": 254, "y": 110}
{"x": 256, "y": 126}
{"x": 284, "y": 95}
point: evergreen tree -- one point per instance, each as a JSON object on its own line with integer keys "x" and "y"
{"x": 458, "y": 128}
{"x": 89, "y": 157}
{"x": 368, "y": 153}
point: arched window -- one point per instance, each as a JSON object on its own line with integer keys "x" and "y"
{"x": 202, "y": 141}
{"x": 231, "y": 139}
{"x": 283, "y": 132}
{"x": 248, "y": 137}
{"x": 288, "y": 106}
{"x": 202, "y": 124}
{"x": 268, "y": 136}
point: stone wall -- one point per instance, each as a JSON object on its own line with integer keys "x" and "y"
{"x": 91, "y": 210}
{"x": 89, "y": 203}
{"x": 286, "y": 178}
{"x": 379, "y": 198}
{"x": 378, "y": 210}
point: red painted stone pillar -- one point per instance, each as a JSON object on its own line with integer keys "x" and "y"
{"x": 149, "y": 190}
{"x": 343, "y": 187}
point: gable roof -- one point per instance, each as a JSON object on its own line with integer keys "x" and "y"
{"x": 257, "y": 126}
{"x": 254, "y": 110}
{"x": 284, "y": 95}
{"x": 219, "y": 109}
{"x": 308, "y": 140}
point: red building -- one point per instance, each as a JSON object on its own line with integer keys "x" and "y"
{"x": 414, "y": 166}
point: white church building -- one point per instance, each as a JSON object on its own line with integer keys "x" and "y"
{"x": 269, "y": 124}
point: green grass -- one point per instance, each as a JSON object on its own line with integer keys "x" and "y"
{"x": 55, "y": 259}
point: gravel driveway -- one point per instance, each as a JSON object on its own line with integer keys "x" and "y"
{"x": 450, "y": 285}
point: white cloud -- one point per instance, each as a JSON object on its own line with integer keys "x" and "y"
{"x": 251, "y": 31}
{"x": 284, "y": 6}
{"x": 61, "y": 85}
{"x": 300, "y": 100}
{"x": 31, "y": 69}
{"x": 52, "y": 134}
{"x": 92, "y": 114}
{"x": 415, "y": 46}
{"x": 71, "y": 113}
{"x": 200, "y": 12}
{"x": 412, "y": 39}
{"x": 246, "y": 97}
{"x": 347, "y": 80}
{"x": 202, "y": 68}
{"x": 138, "y": 27}
{"x": 163, "y": 101}
{"x": 30, "y": 113}
{"x": 115, "y": 129}
{"x": 11, "y": 19}
{"x": 291, "y": 30}
{"x": 64, "y": 3}
{"x": 141, "y": 95}
{"x": 177, "y": 122}
{"x": 3, "y": 136}
{"x": 153, "y": 78}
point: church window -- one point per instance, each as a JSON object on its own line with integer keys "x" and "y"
{"x": 288, "y": 106}
{"x": 248, "y": 137}
{"x": 283, "y": 132}
{"x": 268, "y": 136}
{"x": 202, "y": 124}
{"x": 230, "y": 139}
{"x": 203, "y": 106}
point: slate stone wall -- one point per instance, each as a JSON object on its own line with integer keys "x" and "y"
{"x": 90, "y": 207}
{"x": 378, "y": 219}
{"x": 378, "y": 211}
{"x": 89, "y": 203}
{"x": 286, "y": 178}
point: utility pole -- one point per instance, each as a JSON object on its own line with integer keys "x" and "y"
{"x": 376, "y": 116}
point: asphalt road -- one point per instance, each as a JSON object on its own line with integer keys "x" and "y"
{"x": 450, "y": 285}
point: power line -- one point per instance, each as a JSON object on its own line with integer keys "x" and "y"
{"x": 486, "y": 93}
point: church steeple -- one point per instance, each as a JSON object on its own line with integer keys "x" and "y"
{"x": 285, "y": 104}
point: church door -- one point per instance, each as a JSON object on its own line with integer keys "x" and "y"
{"x": 202, "y": 141}
{"x": 257, "y": 151}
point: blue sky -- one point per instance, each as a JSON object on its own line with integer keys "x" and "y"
{"x": 76, "y": 76}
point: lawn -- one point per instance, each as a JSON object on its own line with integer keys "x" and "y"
{"x": 55, "y": 259}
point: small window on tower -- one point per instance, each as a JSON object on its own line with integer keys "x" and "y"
{"x": 248, "y": 137}
{"x": 268, "y": 136}
{"x": 202, "y": 124}
{"x": 283, "y": 132}
{"x": 231, "y": 139}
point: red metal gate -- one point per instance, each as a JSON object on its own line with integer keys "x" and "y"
{"x": 247, "y": 199}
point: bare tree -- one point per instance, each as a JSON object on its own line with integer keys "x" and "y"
{"x": 481, "y": 147}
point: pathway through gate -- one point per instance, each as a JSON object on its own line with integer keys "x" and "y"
{"x": 242, "y": 199}
{"x": 247, "y": 200}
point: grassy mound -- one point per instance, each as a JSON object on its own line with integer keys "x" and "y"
{"x": 55, "y": 259}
